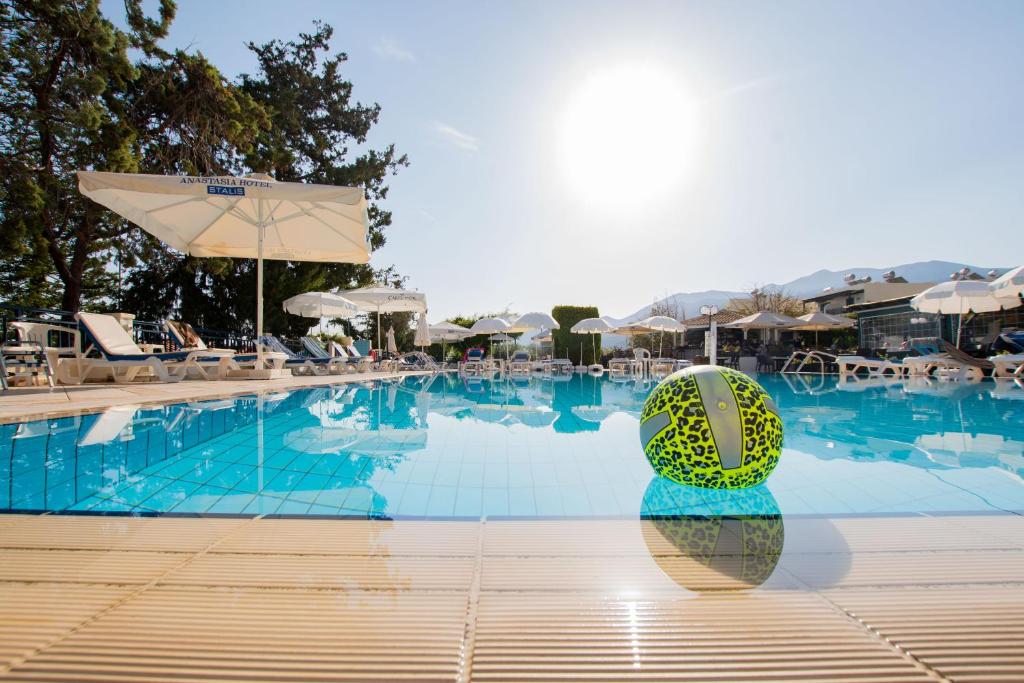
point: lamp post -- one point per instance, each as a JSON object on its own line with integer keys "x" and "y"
{"x": 711, "y": 336}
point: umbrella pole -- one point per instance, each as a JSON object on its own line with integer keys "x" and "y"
{"x": 259, "y": 287}
{"x": 379, "y": 350}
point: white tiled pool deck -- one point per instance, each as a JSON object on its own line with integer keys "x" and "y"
{"x": 201, "y": 599}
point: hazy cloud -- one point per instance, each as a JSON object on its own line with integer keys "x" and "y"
{"x": 388, "y": 48}
{"x": 457, "y": 137}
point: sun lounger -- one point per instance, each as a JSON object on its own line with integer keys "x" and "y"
{"x": 417, "y": 360}
{"x": 520, "y": 364}
{"x": 185, "y": 338}
{"x": 474, "y": 362}
{"x": 623, "y": 367}
{"x": 859, "y": 365}
{"x": 939, "y": 357}
{"x": 302, "y": 365}
{"x": 121, "y": 359}
{"x": 315, "y": 349}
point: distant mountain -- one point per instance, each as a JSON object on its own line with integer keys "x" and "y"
{"x": 689, "y": 303}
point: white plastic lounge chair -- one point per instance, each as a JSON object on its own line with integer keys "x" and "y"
{"x": 520, "y": 364}
{"x": 859, "y": 365}
{"x": 121, "y": 358}
{"x": 940, "y": 358}
{"x": 302, "y": 365}
{"x": 315, "y": 349}
{"x": 1007, "y": 365}
{"x": 184, "y": 337}
{"x": 360, "y": 362}
{"x": 417, "y": 360}
{"x": 474, "y": 363}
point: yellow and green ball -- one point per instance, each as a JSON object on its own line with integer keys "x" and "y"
{"x": 712, "y": 427}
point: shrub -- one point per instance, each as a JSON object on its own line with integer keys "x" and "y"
{"x": 568, "y": 344}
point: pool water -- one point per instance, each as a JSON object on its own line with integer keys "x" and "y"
{"x": 448, "y": 447}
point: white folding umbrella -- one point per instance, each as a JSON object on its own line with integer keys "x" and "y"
{"x": 663, "y": 324}
{"x": 380, "y": 299}
{"x": 957, "y": 297}
{"x": 422, "y": 331}
{"x": 320, "y": 305}
{"x": 392, "y": 346}
{"x": 819, "y": 322}
{"x": 488, "y": 326}
{"x": 251, "y": 217}
{"x": 535, "y": 321}
{"x": 763, "y": 320}
{"x": 446, "y": 332}
{"x": 593, "y": 327}
{"x": 1009, "y": 287}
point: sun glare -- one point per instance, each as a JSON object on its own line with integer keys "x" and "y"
{"x": 630, "y": 127}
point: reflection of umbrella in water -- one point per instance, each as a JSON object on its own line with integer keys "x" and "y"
{"x": 371, "y": 443}
{"x": 531, "y": 416}
{"x": 593, "y": 413}
{"x": 729, "y": 539}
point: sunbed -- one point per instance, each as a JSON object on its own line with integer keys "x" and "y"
{"x": 302, "y": 365}
{"x": 474, "y": 362}
{"x": 315, "y": 349}
{"x": 185, "y": 338}
{"x": 1009, "y": 364}
{"x": 122, "y": 359}
{"x": 417, "y": 360}
{"x": 939, "y": 357}
{"x": 856, "y": 365}
{"x": 520, "y": 364}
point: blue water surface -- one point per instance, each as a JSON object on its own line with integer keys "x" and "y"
{"x": 448, "y": 447}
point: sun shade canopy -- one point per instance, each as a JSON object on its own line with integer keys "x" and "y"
{"x": 219, "y": 216}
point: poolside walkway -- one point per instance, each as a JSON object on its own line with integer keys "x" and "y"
{"x": 21, "y": 403}
{"x": 851, "y": 599}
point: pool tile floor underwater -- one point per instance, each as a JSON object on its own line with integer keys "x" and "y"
{"x": 198, "y": 599}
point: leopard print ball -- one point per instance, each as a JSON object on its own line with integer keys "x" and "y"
{"x": 712, "y": 427}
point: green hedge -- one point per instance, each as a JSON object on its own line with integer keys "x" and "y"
{"x": 567, "y": 344}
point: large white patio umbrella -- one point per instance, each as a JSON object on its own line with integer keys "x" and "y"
{"x": 381, "y": 299}
{"x": 593, "y": 327}
{"x": 763, "y": 320}
{"x": 320, "y": 305}
{"x": 488, "y": 326}
{"x": 663, "y": 324}
{"x": 1009, "y": 287}
{"x": 819, "y": 321}
{"x": 957, "y": 297}
{"x": 447, "y": 332}
{"x": 535, "y": 321}
{"x": 251, "y": 217}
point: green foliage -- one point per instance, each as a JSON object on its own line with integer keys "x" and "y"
{"x": 72, "y": 98}
{"x": 569, "y": 345}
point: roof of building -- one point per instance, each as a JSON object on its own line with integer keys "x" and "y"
{"x": 722, "y": 317}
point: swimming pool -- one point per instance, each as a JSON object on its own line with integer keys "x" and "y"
{"x": 448, "y": 447}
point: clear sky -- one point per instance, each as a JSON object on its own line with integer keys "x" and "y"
{"x": 611, "y": 153}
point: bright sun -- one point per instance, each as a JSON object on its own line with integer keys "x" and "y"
{"x": 631, "y": 128}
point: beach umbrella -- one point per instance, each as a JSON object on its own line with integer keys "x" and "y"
{"x": 820, "y": 322}
{"x": 422, "y": 331}
{"x": 593, "y": 327}
{"x": 251, "y": 217}
{"x": 392, "y": 346}
{"x": 446, "y": 332}
{"x": 957, "y": 297}
{"x": 763, "y": 320}
{"x": 320, "y": 305}
{"x": 382, "y": 299}
{"x": 1009, "y": 287}
{"x": 488, "y": 326}
{"x": 500, "y": 337}
{"x": 535, "y": 321}
{"x": 663, "y": 324}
